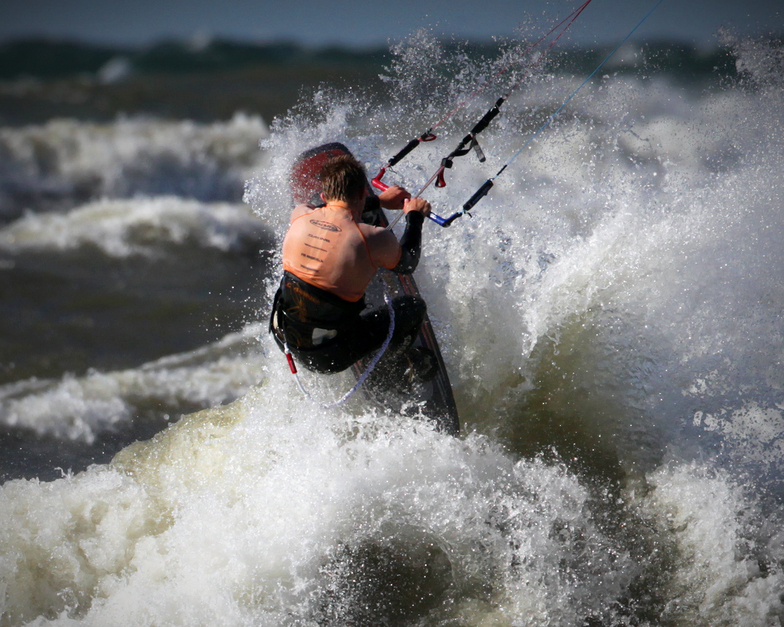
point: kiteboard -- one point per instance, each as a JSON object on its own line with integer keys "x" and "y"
{"x": 431, "y": 398}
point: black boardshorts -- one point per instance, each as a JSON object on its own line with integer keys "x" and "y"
{"x": 328, "y": 343}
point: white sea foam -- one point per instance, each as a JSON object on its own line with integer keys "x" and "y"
{"x": 262, "y": 513}
{"x": 138, "y": 226}
{"x": 717, "y": 541}
{"x": 252, "y": 513}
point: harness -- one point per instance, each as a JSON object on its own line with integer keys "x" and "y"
{"x": 281, "y": 323}
{"x": 311, "y": 316}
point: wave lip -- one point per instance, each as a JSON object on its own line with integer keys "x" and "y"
{"x": 63, "y": 163}
{"x": 142, "y": 226}
{"x": 82, "y": 408}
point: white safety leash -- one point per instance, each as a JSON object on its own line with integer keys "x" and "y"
{"x": 368, "y": 370}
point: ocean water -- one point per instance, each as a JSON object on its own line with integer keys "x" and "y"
{"x": 611, "y": 319}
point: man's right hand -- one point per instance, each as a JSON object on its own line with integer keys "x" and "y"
{"x": 393, "y": 197}
{"x": 417, "y": 204}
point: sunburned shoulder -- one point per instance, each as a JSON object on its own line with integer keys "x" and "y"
{"x": 301, "y": 210}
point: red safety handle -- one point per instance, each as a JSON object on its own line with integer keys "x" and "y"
{"x": 376, "y": 182}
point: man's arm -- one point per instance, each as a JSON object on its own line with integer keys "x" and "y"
{"x": 410, "y": 243}
{"x": 401, "y": 257}
{"x": 392, "y": 198}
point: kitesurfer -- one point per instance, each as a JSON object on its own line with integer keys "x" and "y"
{"x": 329, "y": 257}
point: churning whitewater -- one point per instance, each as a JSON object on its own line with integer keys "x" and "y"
{"x": 610, "y": 318}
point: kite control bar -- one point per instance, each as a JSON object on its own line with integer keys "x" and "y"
{"x": 469, "y": 204}
{"x": 381, "y": 186}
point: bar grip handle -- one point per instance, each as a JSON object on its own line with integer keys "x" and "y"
{"x": 478, "y": 195}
